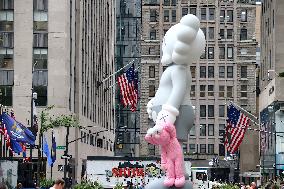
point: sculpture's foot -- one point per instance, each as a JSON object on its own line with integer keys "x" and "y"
{"x": 169, "y": 181}
{"x": 179, "y": 182}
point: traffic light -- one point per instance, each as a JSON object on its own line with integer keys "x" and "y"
{"x": 222, "y": 139}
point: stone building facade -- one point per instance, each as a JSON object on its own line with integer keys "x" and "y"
{"x": 225, "y": 72}
{"x": 70, "y": 45}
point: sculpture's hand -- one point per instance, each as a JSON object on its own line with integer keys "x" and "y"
{"x": 168, "y": 114}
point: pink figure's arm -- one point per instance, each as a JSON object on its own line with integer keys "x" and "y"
{"x": 171, "y": 129}
{"x": 151, "y": 140}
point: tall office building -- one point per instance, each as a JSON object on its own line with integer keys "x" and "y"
{"x": 128, "y": 52}
{"x": 271, "y": 103}
{"x": 70, "y": 47}
{"x": 225, "y": 71}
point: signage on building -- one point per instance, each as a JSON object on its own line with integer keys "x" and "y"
{"x": 271, "y": 90}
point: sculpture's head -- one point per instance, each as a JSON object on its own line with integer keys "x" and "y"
{"x": 161, "y": 134}
{"x": 184, "y": 42}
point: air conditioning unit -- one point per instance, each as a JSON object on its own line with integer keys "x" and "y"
{"x": 281, "y": 108}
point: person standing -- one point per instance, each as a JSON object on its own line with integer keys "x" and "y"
{"x": 58, "y": 184}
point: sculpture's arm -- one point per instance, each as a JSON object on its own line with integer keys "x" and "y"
{"x": 163, "y": 158}
{"x": 179, "y": 82}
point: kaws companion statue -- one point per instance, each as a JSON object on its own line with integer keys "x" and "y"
{"x": 183, "y": 44}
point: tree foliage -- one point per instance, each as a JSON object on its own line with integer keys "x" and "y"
{"x": 88, "y": 185}
{"x": 48, "y": 122}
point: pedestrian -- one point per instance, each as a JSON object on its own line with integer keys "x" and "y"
{"x": 3, "y": 186}
{"x": 19, "y": 186}
{"x": 253, "y": 185}
{"x": 58, "y": 184}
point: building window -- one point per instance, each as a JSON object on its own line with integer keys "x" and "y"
{"x": 184, "y": 11}
{"x": 221, "y": 91}
{"x": 174, "y": 2}
{"x": 229, "y": 91}
{"x": 192, "y": 91}
{"x": 210, "y": 52}
{"x": 193, "y": 71}
{"x": 210, "y": 90}
{"x": 221, "y": 129}
{"x": 204, "y": 32}
{"x": 210, "y": 110}
{"x": 203, "y": 14}
{"x": 230, "y": 15}
{"x": 221, "y": 71}
{"x": 210, "y": 129}
{"x": 202, "y": 90}
{"x": 222, "y": 34}
{"x": 211, "y": 33}
{"x": 244, "y": 16}
{"x": 192, "y": 11}
{"x": 6, "y": 95}
{"x": 151, "y": 149}
{"x": 221, "y": 110}
{"x": 203, "y": 55}
{"x": 184, "y": 148}
{"x": 202, "y": 110}
{"x": 153, "y": 34}
{"x": 230, "y": 53}
{"x": 40, "y": 21}
{"x": 210, "y": 148}
{"x": 151, "y": 50}
{"x": 244, "y": 89}
{"x": 40, "y": 39}
{"x": 6, "y": 4}
{"x": 221, "y": 150}
{"x": 221, "y": 52}
{"x": 192, "y": 148}
{"x": 6, "y": 62}
{"x": 153, "y": 15}
{"x": 244, "y": 73}
{"x": 203, "y": 148}
{"x": 202, "y": 130}
{"x": 151, "y": 71}
{"x": 174, "y": 16}
{"x": 202, "y": 71}
{"x": 40, "y": 58}
{"x": 222, "y": 15}
{"x": 243, "y": 35}
{"x": 192, "y": 131}
{"x": 229, "y": 33}
{"x": 229, "y": 71}
{"x": 167, "y": 2}
{"x": 151, "y": 90}
{"x": 7, "y": 40}
{"x": 40, "y": 5}
{"x": 210, "y": 71}
{"x": 166, "y": 15}
{"x": 211, "y": 14}
{"x": 41, "y": 95}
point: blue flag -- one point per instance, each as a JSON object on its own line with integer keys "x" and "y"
{"x": 47, "y": 152}
{"x": 16, "y": 146}
{"x": 17, "y": 131}
{"x": 53, "y": 149}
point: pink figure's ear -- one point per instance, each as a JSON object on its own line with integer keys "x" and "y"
{"x": 170, "y": 128}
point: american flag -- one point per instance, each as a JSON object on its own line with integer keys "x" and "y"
{"x": 265, "y": 122}
{"x": 237, "y": 124}
{"x": 128, "y": 84}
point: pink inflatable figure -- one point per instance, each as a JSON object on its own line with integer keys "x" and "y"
{"x": 171, "y": 153}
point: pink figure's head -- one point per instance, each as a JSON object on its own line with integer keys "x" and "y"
{"x": 161, "y": 134}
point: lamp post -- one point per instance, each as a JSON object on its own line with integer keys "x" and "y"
{"x": 66, "y": 156}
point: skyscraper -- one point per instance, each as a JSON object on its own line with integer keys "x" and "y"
{"x": 225, "y": 72}
{"x": 70, "y": 47}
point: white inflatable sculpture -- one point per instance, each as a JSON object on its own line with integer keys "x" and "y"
{"x": 183, "y": 44}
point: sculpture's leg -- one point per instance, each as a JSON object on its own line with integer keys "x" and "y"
{"x": 170, "y": 178}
